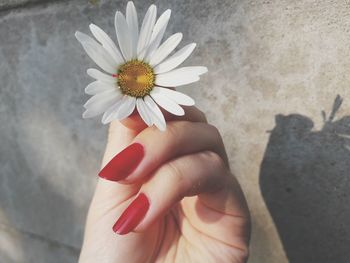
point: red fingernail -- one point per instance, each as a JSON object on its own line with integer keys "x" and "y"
{"x": 132, "y": 215}
{"x": 124, "y": 163}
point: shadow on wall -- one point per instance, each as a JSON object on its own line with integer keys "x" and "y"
{"x": 305, "y": 182}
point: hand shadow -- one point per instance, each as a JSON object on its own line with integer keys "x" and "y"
{"x": 305, "y": 182}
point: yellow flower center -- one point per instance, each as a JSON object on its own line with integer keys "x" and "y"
{"x": 136, "y": 78}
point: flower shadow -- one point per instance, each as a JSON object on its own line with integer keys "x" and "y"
{"x": 304, "y": 180}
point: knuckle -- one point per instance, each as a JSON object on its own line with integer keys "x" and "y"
{"x": 215, "y": 160}
{"x": 176, "y": 174}
{"x": 202, "y": 116}
{"x": 217, "y": 169}
{"x": 176, "y": 129}
{"x": 180, "y": 125}
{"x": 214, "y": 131}
{"x": 172, "y": 130}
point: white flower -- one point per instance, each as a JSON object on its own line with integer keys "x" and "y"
{"x": 140, "y": 72}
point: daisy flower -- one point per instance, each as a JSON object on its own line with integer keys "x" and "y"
{"x": 142, "y": 73}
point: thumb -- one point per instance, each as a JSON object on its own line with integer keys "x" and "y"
{"x": 135, "y": 123}
{"x": 121, "y": 133}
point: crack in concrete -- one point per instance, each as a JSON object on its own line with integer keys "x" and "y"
{"x": 7, "y": 5}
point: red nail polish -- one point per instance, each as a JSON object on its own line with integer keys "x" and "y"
{"x": 124, "y": 163}
{"x": 132, "y": 215}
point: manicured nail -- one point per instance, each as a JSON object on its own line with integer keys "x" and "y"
{"x": 124, "y": 163}
{"x": 132, "y": 215}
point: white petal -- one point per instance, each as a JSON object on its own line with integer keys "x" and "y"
{"x": 111, "y": 112}
{"x": 176, "y": 96}
{"x": 165, "y": 49}
{"x": 123, "y": 35}
{"x": 98, "y": 87}
{"x": 107, "y": 43}
{"x": 158, "y": 33}
{"x": 100, "y": 102}
{"x": 175, "y": 60}
{"x": 180, "y": 76}
{"x": 98, "y": 75}
{"x": 143, "y": 111}
{"x": 127, "y": 107}
{"x": 146, "y": 31}
{"x": 132, "y": 21}
{"x": 97, "y": 53}
{"x": 157, "y": 116}
{"x": 166, "y": 103}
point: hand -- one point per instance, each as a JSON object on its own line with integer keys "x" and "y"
{"x": 184, "y": 204}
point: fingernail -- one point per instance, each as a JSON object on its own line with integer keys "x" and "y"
{"x": 124, "y": 163}
{"x": 132, "y": 215}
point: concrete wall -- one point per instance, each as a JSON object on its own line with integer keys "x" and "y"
{"x": 274, "y": 67}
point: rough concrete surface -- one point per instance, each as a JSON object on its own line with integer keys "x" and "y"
{"x": 274, "y": 66}
{"x": 7, "y": 4}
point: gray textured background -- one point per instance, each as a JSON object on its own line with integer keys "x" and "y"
{"x": 273, "y": 67}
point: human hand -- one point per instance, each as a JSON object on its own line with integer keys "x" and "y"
{"x": 175, "y": 197}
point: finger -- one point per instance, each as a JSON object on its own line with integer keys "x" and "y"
{"x": 131, "y": 126}
{"x": 121, "y": 134}
{"x": 119, "y": 137}
{"x": 135, "y": 122}
{"x": 200, "y": 173}
{"x": 151, "y": 148}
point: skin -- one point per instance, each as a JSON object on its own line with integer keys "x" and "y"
{"x": 197, "y": 212}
